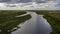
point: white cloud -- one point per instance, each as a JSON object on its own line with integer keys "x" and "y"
{"x": 50, "y": 5}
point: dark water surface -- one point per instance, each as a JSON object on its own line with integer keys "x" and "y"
{"x": 36, "y": 25}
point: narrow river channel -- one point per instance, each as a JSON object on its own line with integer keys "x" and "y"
{"x": 36, "y": 25}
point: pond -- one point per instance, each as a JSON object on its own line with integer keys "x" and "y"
{"x": 36, "y": 25}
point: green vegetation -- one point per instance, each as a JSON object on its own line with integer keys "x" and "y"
{"x": 8, "y": 21}
{"x": 53, "y": 17}
{"x": 54, "y": 20}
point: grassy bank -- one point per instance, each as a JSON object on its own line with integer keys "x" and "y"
{"x": 54, "y": 20}
{"x": 8, "y": 21}
{"x": 53, "y": 17}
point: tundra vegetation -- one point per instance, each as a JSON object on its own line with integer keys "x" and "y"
{"x": 8, "y": 21}
{"x": 53, "y": 17}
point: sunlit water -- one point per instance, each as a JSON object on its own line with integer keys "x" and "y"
{"x": 36, "y": 25}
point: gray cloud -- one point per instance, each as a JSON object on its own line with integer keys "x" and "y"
{"x": 5, "y": 0}
{"x": 40, "y": 1}
{"x": 47, "y": 6}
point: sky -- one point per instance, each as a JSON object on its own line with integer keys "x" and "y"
{"x": 44, "y": 4}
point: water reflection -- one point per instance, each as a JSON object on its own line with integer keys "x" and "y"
{"x": 36, "y": 25}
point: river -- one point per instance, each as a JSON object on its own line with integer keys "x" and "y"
{"x": 36, "y": 25}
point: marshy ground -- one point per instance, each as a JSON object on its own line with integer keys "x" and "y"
{"x": 53, "y": 17}
{"x": 8, "y": 21}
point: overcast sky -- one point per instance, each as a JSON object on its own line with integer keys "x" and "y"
{"x": 26, "y": 0}
{"x": 57, "y": 6}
